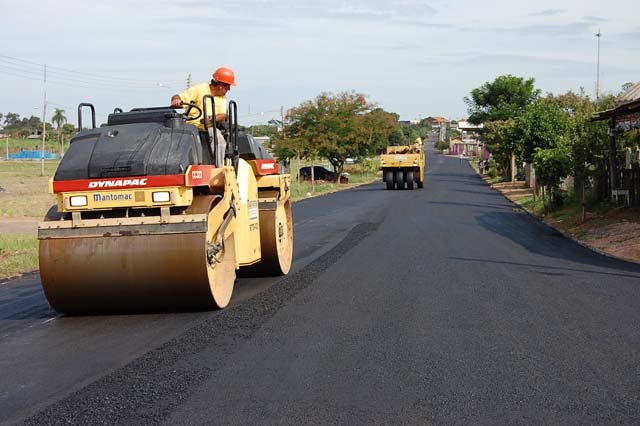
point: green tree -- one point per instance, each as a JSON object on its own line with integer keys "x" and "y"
{"x": 397, "y": 137}
{"x": 59, "y": 119}
{"x": 268, "y": 130}
{"x": 588, "y": 140}
{"x": 374, "y": 130}
{"x": 504, "y": 98}
{"x": 552, "y": 165}
{"x": 11, "y": 119}
{"x": 501, "y": 101}
{"x": 543, "y": 124}
{"x": 425, "y": 126}
{"x": 500, "y": 139}
{"x": 334, "y": 127}
{"x": 546, "y": 137}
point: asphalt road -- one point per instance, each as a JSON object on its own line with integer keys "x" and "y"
{"x": 443, "y": 305}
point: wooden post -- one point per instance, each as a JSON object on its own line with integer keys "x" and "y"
{"x": 534, "y": 182}
{"x": 313, "y": 178}
{"x": 584, "y": 207}
{"x": 44, "y": 123}
{"x": 613, "y": 169}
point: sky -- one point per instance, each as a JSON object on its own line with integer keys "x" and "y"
{"x": 417, "y": 58}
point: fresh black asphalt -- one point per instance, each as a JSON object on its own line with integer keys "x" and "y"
{"x": 445, "y": 305}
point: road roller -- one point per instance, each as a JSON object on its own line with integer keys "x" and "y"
{"x": 403, "y": 165}
{"x": 145, "y": 220}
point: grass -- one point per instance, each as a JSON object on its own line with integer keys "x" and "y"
{"x": 569, "y": 217}
{"x": 534, "y": 205}
{"x": 23, "y": 191}
{"x": 358, "y": 173}
{"x": 18, "y": 254}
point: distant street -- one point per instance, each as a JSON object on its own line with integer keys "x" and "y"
{"x": 444, "y": 305}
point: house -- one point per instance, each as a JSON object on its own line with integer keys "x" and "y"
{"x": 469, "y": 131}
{"x": 437, "y": 122}
{"x": 36, "y": 134}
{"x": 408, "y": 122}
{"x": 623, "y": 118}
{"x": 457, "y": 146}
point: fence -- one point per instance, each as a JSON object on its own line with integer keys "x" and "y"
{"x": 25, "y": 154}
{"x": 630, "y": 180}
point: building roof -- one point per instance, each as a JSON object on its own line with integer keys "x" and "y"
{"x": 627, "y": 103}
{"x": 630, "y": 95}
{"x": 469, "y": 126}
{"x": 437, "y": 120}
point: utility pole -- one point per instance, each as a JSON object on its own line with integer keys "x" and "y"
{"x": 598, "y": 34}
{"x": 189, "y": 80}
{"x": 7, "y": 147}
{"x": 44, "y": 126}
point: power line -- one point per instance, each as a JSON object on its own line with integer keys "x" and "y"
{"x": 84, "y": 75}
{"x": 31, "y": 70}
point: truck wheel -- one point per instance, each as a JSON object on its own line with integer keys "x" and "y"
{"x": 388, "y": 178}
{"x": 409, "y": 177}
{"x": 399, "y": 179}
{"x": 420, "y": 185}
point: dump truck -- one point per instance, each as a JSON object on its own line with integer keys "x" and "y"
{"x": 145, "y": 221}
{"x": 403, "y": 165}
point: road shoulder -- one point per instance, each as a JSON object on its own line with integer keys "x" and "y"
{"x": 615, "y": 233}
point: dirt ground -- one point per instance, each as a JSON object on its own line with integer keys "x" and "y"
{"x": 19, "y": 225}
{"x": 616, "y": 232}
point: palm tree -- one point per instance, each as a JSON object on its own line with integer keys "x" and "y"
{"x": 59, "y": 119}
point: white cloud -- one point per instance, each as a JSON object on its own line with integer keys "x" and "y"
{"x": 413, "y": 57}
{"x": 547, "y": 12}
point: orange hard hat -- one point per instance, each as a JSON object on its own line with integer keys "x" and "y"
{"x": 224, "y": 75}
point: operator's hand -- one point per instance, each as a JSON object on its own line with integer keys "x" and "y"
{"x": 176, "y": 102}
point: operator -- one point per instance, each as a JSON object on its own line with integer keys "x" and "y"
{"x": 221, "y": 81}
{"x": 416, "y": 145}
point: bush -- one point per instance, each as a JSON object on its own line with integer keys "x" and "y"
{"x": 442, "y": 145}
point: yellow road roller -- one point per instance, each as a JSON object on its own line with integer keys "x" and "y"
{"x": 145, "y": 221}
{"x": 403, "y": 165}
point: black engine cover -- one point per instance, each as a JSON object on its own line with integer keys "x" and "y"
{"x": 138, "y": 145}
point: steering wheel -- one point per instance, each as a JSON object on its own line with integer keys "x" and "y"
{"x": 187, "y": 107}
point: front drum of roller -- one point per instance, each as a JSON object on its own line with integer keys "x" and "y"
{"x": 135, "y": 273}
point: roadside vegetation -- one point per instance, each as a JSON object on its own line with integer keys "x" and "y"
{"x": 23, "y": 191}
{"x": 554, "y": 133}
{"x": 23, "y": 194}
{"x": 335, "y": 127}
{"x": 361, "y": 172}
{"x": 18, "y": 254}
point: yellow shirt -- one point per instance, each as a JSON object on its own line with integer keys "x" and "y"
{"x": 195, "y": 94}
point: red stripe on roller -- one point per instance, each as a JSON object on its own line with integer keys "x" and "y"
{"x": 266, "y": 167}
{"x": 118, "y": 183}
